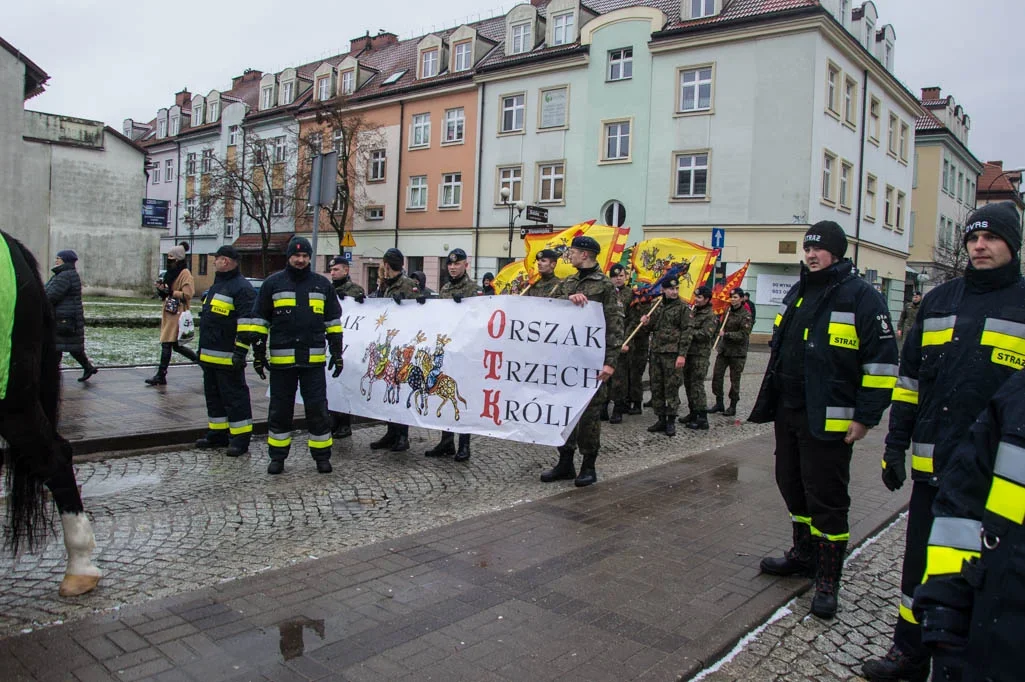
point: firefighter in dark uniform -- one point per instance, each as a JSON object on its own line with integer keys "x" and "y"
{"x": 971, "y": 604}
{"x": 546, "y": 285}
{"x": 704, "y": 326}
{"x": 734, "y": 337}
{"x": 222, "y": 356}
{"x": 968, "y": 338}
{"x": 394, "y": 284}
{"x": 589, "y": 283}
{"x": 298, "y": 310}
{"x": 832, "y": 369}
{"x": 341, "y": 424}
{"x": 458, "y": 287}
{"x": 619, "y": 385}
{"x": 671, "y": 334}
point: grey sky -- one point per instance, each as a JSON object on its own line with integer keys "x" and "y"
{"x": 111, "y": 60}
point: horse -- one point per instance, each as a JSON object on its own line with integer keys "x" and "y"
{"x": 34, "y": 454}
{"x": 447, "y": 389}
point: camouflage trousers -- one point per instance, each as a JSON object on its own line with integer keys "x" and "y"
{"x": 694, "y": 373}
{"x": 736, "y": 367}
{"x": 620, "y": 382}
{"x": 665, "y": 383}
{"x": 636, "y": 360}
{"x": 587, "y": 434}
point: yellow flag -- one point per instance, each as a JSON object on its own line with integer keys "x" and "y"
{"x": 612, "y": 241}
{"x": 653, "y": 257}
{"x": 512, "y": 279}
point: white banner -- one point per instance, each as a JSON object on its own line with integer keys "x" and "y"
{"x": 511, "y": 367}
{"x": 772, "y": 288}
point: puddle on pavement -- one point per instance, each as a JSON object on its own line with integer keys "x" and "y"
{"x": 119, "y": 485}
{"x": 291, "y": 633}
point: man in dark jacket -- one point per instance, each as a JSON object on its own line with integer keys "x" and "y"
{"x": 968, "y": 339}
{"x": 734, "y": 337}
{"x": 486, "y": 283}
{"x": 345, "y": 288}
{"x": 64, "y": 291}
{"x": 830, "y": 374}
{"x": 222, "y": 356}
{"x": 972, "y": 605}
{"x": 297, "y": 310}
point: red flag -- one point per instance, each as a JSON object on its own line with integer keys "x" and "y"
{"x": 721, "y": 292}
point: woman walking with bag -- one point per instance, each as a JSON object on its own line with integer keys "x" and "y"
{"x": 64, "y": 291}
{"x": 176, "y": 288}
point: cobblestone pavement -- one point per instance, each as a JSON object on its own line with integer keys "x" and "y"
{"x": 797, "y": 647}
{"x": 175, "y": 521}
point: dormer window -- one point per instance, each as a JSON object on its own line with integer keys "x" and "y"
{"x": 162, "y": 128}
{"x": 563, "y": 30}
{"x": 463, "y": 56}
{"x": 267, "y": 97}
{"x": 174, "y": 125}
{"x": 213, "y": 111}
{"x": 521, "y": 41}
{"x": 701, "y": 8}
{"x": 429, "y": 63}
{"x": 324, "y": 88}
{"x": 199, "y": 108}
{"x": 348, "y": 82}
{"x": 287, "y": 92}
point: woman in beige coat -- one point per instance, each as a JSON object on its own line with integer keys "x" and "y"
{"x": 176, "y": 288}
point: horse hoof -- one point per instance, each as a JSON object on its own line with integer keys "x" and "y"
{"x": 76, "y": 585}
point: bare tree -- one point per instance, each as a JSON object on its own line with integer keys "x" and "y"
{"x": 255, "y": 176}
{"x": 360, "y": 145}
{"x": 950, "y": 255}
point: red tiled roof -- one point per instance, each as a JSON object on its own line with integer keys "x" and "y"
{"x": 932, "y": 103}
{"x": 254, "y": 241}
{"x": 995, "y": 179}
{"x": 739, "y": 9}
{"x": 928, "y": 122}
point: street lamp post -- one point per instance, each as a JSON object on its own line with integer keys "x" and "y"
{"x": 515, "y": 211}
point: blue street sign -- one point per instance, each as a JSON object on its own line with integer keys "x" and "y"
{"x": 347, "y": 255}
{"x": 718, "y": 237}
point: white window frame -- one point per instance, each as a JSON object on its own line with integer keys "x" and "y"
{"x": 844, "y": 194}
{"x": 829, "y": 175}
{"x": 429, "y": 62}
{"x": 324, "y": 88}
{"x": 891, "y": 135}
{"x": 621, "y": 64}
{"x": 417, "y": 187}
{"x": 850, "y": 101}
{"x": 378, "y": 165}
{"x": 197, "y": 116}
{"x": 277, "y": 203}
{"x": 374, "y": 213}
{"x": 233, "y": 135}
{"x": 175, "y": 126}
{"x": 213, "y": 110}
{"x": 562, "y": 23}
{"x": 834, "y": 76}
{"x": 455, "y": 126}
{"x": 903, "y": 139}
{"x": 190, "y": 163}
{"x": 207, "y": 161}
{"x": 871, "y": 192}
{"x": 875, "y": 115}
{"x": 156, "y": 175}
{"x": 462, "y": 56}
{"x": 287, "y": 92}
{"x": 168, "y": 170}
{"x": 888, "y": 207}
{"x": 161, "y": 127}
{"x": 204, "y": 209}
{"x": 450, "y": 193}
{"x": 695, "y": 88}
{"x": 701, "y": 8}
{"x": 521, "y": 37}
{"x": 511, "y": 177}
{"x": 509, "y": 105}
{"x": 616, "y": 142}
{"x": 551, "y": 172}
{"x": 960, "y": 187}
{"x": 190, "y": 208}
{"x": 901, "y": 216}
{"x": 420, "y": 131}
{"x": 267, "y": 97}
{"x": 694, "y": 165}
{"x": 348, "y": 81}
{"x": 279, "y": 149}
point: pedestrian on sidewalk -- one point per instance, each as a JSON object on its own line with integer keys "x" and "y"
{"x": 967, "y": 340}
{"x": 703, "y": 325}
{"x": 832, "y": 368}
{"x": 458, "y": 287}
{"x": 64, "y": 291}
{"x": 751, "y": 307}
{"x": 589, "y": 283}
{"x": 734, "y": 339}
{"x": 341, "y": 423}
{"x": 970, "y": 603}
{"x": 486, "y": 282}
{"x": 295, "y": 315}
{"x": 222, "y": 356}
{"x": 176, "y": 289}
{"x": 671, "y": 335}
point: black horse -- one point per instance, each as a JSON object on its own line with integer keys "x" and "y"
{"x": 34, "y": 455}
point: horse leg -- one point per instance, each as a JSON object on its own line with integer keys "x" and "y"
{"x": 82, "y": 575}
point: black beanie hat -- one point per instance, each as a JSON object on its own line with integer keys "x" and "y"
{"x": 1001, "y": 219}
{"x": 488, "y": 277}
{"x": 827, "y": 235}
{"x": 67, "y": 255}
{"x": 299, "y": 245}
{"x": 394, "y": 258}
{"x": 228, "y": 251}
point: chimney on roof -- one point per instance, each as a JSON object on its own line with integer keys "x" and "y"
{"x": 537, "y": 3}
{"x": 183, "y": 98}
{"x": 998, "y": 164}
{"x": 360, "y": 44}
{"x": 931, "y": 92}
{"x": 247, "y": 75}
{"x": 368, "y": 43}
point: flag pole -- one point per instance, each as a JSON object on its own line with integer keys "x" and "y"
{"x": 641, "y": 324}
{"x": 526, "y": 290}
{"x": 717, "y": 336}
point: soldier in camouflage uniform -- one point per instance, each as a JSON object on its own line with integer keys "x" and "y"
{"x": 395, "y": 285}
{"x": 619, "y": 386}
{"x": 733, "y": 343}
{"x": 458, "y": 287}
{"x": 670, "y": 338}
{"x": 589, "y": 284}
{"x": 703, "y": 330}
{"x": 344, "y": 287}
{"x": 545, "y": 287}
{"x": 909, "y": 315}
{"x": 636, "y": 358}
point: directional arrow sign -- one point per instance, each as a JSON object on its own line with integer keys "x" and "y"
{"x": 718, "y": 237}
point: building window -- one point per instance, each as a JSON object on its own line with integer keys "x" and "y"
{"x": 899, "y": 222}
{"x": 324, "y": 88}
{"x": 168, "y": 170}
{"x": 348, "y": 82}
{"x": 691, "y": 176}
{"x": 891, "y": 136}
{"x": 162, "y": 128}
{"x": 960, "y": 186}
{"x": 521, "y": 38}
{"x": 378, "y": 165}
{"x": 375, "y": 213}
{"x": 617, "y": 141}
{"x": 451, "y": 190}
{"x": 621, "y": 64}
{"x": 279, "y": 149}
{"x": 513, "y": 110}
{"x": 338, "y": 140}
{"x": 903, "y": 141}
{"x": 287, "y": 92}
{"x": 614, "y": 214}
{"x": 946, "y": 174}
{"x": 234, "y": 133}
{"x": 267, "y": 101}
{"x": 213, "y": 111}
{"x": 511, "y": 177}
{"x": 277, "y": 202}
{"x": 156, "y": 175}
{"x": 888, "y": 206}
{"x": 190, "y": 208}
{"x": 197, "y": 118}
{"x": 551, "y": 180}
{"x": 204, "y": 265}
{"x": 190, "y": 163}
{"x": 429, "y": 63}
{"x": 208, "y": 160}
{"x": 833, "y": 88}
{"x": 695, "y": 89}
{"x": 701, "y": 8}
{"x": 204, "y": 210}
{"x": 846, "y": 171}
{"x": 873, "y": 113}
{"x": 455, "y": 122}
{"x": 174, "y": 125}
{"x": 828, "y": 172}
{"x": 870, "y": 197}
{"x": 417, "y": 192}
{"x": 850, "y": 101}
{"x": 314, "y": 146}
{"x": 229, "y": 227}
{"x": 421, "y": 130}
{"x": 563, "y": 30}
{"x": 463, "y": 56}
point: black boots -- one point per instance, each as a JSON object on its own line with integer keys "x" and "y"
{"x": 659, "y": 426}
{"x": 718, "y": 407}
{"x": 798, "y": 560}
{"x": 343, "y": 425}
{"x": 401, "y": 443}
{"x": 731, "y": 411}
{"x": 700, "y": 421}
{"x": 896, "y": 665}
{"x": 463, "y": 453}
{"x": 635, "y": 408}
{"x": 205, "y": 443}
{"x": 828, "y": 568}
{"x": 88, "y": 372}
{"x": 670, "y": 425}
{"x": 617, "y": 413}
{"x": 563, "y": 470}
{"x": 588, "y": 475}
{"x": 686, "y": 419}
{"x": 158, "y": 379}
{"x": 276, "y": 466}
{"x": 446, "y": 448}
{"x": 323, "y": 466}
{"x": 236, "y": 450}
{"x": 387, "y": 440}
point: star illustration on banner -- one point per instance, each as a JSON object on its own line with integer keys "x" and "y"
{"x": 381, "y": 320}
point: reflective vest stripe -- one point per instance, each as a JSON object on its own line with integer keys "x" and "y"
{"x": 253, "y": 324}
{"x": 906, "y": 613}
{"x": 1004, "y": 334}
{"x": 906, "y": 390}
{"x": 937, "y": 331}
{"x": 283, "y": 295}
{"x": 1007, "y": 493}
{"x": 838, "y": 418}
{"x": 836, "y": 537}
{"x": 842, "y": 332}
{"x": 315, "y": 296}
{"x": 244, "y": 426}
{"x": 333, "y": 326}
{"x": 806, "y": 520}
{"x": 952, "y": 541}
{"x": 320, "y": 441}
{"x": 921, "y": 457}
{"x": 215, "y": 357}
{"x": 279, "y": 440}
{"x": 217, "y": 423}
{"x": 879, "y": 375}
{"x": 284, "y": 302}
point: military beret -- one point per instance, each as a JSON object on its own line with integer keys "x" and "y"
{"x": 703, "y": 291}
{"x": 456, "y": 255}
{"x": 585, "y": 243}
{"x": 339, "y": 260}
{"x": 616, "y": 269}
{"x": 671, "y": 283}
{"x": 551, "y": 254}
